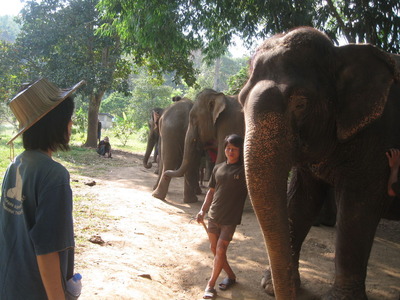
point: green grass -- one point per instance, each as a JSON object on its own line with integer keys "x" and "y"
{"x": 89, "y": 218}
{"x": 78, "y": 161}
{"x": 5, "y": 150}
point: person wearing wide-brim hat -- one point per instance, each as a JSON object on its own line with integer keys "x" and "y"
{"x": 36, "y": 226}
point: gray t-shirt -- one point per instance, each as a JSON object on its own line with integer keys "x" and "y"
{"x": 229, "y": 183}
{"x": 35, "y": 219}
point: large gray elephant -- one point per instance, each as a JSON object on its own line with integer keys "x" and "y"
{"x": 214, "y": 116}
{"x": 173, "y": 125}
{"x": 327, "y": 114}
{"x": 153, "y": 137}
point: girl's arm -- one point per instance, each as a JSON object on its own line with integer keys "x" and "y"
{"x": 50, "y": 271}
{"x": 206, "y": 205}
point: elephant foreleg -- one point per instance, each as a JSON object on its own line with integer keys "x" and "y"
{"x": 191, "y": 185}
{"x": 306, "y": 195}
{"x": 305, "y": 198}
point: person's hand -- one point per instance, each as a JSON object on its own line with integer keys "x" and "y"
{"x": 200, "y": 217}
{"x": 393, "y": 156}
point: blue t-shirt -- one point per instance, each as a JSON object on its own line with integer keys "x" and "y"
{"x": 35, "y": 219}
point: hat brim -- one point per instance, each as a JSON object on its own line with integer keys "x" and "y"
{"x": 63, "y": 95}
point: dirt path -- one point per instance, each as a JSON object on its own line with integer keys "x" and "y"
{"x": 152, "y": 249}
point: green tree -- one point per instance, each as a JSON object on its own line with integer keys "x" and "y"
{"x": 12, "y": 72}
{"x": 123, "y": 128}
{"x": 147, "y": 93}
{"x": 116, "y": 103}
{"x": 215, "y": 75}
{"x": 376, "y": 22}
{"x": 237, "y": 81}
{"x": 164, "y": 34}
{"x": 58, "y": 40}
{"x": 9, "y": 29}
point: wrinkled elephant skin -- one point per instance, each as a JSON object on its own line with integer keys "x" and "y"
{"x": 327, "y": 115}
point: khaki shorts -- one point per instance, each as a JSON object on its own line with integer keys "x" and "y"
{"x": 224, "y": 232}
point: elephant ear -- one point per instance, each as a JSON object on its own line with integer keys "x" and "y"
{"x": 396, "y": 61}
{"x": 217, "y": 105}
{"x": 363, "y": 80}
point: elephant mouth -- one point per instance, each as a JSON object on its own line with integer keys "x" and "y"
{"x": 212, "y": 149}
{"x": 211, "y": 145}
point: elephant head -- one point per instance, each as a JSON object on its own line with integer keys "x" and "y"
{"x": 153, "y": 137}
{"x": 304, "y": 97}
{"x": 176, "y": 98}
{"x": 211, "y": 119}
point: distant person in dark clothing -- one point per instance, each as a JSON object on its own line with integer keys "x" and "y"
{"x": 104, "y": 148}
{"x": 98, "y": 130}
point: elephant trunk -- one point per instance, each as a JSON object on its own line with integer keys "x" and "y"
{"x": 189, "y": 153}
{"x": 267, "y": 162}
{"x": 151, "y": 142}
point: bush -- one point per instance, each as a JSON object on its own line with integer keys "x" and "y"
{"x": 123, "y": 128}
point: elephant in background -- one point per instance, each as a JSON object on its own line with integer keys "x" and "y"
{"x": 328, "y": 114}
{"x": 176, "y": 98}
{"x": 153, "y": 137}
{"x": 213, "y": 117}
{"x": 173, "y": 125}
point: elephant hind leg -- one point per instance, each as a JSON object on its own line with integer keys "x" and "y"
{"x": 162, "y": 189}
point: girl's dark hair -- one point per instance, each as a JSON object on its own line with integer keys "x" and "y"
{"x": 237, "y": 141}
{"x": 51, "y": 131}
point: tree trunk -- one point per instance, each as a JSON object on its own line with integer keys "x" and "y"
{"x": 93, "y": 116}
{"x": 217, "y": 74}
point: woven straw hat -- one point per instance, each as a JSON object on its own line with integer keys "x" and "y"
{"x": 35, "y": 101}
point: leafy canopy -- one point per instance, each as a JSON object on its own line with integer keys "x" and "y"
{"x": 164, "y": 34}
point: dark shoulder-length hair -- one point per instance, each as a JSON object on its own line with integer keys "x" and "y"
{"x": 237, "y": 141}
{"x": 51, "y": 131}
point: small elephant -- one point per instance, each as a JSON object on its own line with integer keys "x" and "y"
{"x": 173, "y": 125}
{"x": 213, "y": 116}
{"x": 153, "y": 137}
{"x": 327, "y": 114}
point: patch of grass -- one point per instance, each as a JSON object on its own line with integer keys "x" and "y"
{"x": 134, "y": 143}
{"x": 89, "y": 219}
{"x": 80, "y": 161}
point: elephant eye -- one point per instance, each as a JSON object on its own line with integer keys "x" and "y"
{"x": 297, "y": 103}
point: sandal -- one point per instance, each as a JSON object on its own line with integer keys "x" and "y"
{"x": 226, "y": 283}
{"x": 209, "y": 293}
